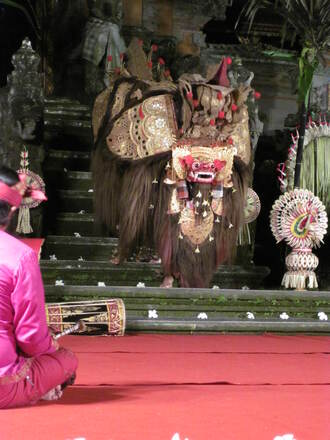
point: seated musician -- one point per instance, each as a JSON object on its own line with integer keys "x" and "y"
{"x": 32, "y": 366}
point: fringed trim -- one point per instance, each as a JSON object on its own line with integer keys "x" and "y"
{"x": 298, "y": 280}
{"x": 23, "y": 222}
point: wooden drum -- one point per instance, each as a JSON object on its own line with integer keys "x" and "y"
{"x": 101, "y": 316}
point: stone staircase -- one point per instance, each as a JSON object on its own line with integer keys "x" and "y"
{"x": 77, "y": 253}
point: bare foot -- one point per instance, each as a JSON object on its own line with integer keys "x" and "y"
{"x": 54, "y": 394}
{"x": 167, "y": 281}
{"x": 115, "y": 260}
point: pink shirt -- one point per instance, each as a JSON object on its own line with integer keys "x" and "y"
{"x": 23, "y": 328}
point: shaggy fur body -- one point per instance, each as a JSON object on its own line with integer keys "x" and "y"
{"x": 132, "y": 200}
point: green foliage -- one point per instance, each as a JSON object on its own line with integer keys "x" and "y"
{"x": 307, "y": 21}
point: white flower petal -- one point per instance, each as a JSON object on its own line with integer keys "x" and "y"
{"x": 245, "y": 288}
{"x": 82, "y": 211}
{"x": 81, "y": 259}
{"x": 284, "y": 315}
{"x": 53, "y": 257}
{"x": 250, "y": 315}
{"x": 152, "y": 314}
{"x": 215, "y": 287}
{"x": 322, "y": 316}
{"x": 59, "y": 283}
{"x": 139, "y": 284}
{"x": 202, "y": 315}
{"x": 76, "y": 234}
{"x": 90, "y": 190}
{"x": 101, "y": 284}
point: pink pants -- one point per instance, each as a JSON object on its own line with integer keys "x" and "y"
{"x": 46, "y": 372}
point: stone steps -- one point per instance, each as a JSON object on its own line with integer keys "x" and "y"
{"x": 67, "y": 223}
{"x": 83, "y": 272}
{"x": 178, "y": 310}
{"x": 75, "y": 200}
{"x": 68, "y": 160}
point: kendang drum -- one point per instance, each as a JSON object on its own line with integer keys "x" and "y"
{"x": 100, "y": 317}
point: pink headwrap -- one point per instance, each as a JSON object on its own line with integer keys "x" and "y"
{"x": 14, "y": 194}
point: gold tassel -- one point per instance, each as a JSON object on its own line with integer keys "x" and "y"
{"x": 23, "y": 222}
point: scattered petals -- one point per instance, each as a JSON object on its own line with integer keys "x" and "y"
{"x": 76, "y": 234}
{"x": 161, "y": 61}
{"x": 101, "y": 284}
{"x": 90, "y": 190}
{"x": 250, "y": 315}
{"x": 52, "y": 257}
{"x": 65, "y": 170}
{"x": 155, "y": 181}
{"x": 176, "y": 436}
{"x": 82, "y": 212}
{"x": 284, "y": 315}
{"x": 152, "y": 314}
{"x": 202, "y": 315}
{"x": 139, "y": 284}
{"x": 215, "y": 287}
{"x": 322, "y": 316}
{"x": 81, "y": 259}
{"x": 285, "y": 437}
{"x": 245, "y": 288}
{"x": 59, "y": 283}
{"x": 230, "y": 225}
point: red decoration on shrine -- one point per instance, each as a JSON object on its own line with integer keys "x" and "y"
{"x": 109, "y": 58}
{"x": 219, "y": 96}
{"x": 221, "y": 114}
{"x": 140, "y": 42}
{"x": 212, "y": 122}
{"x": 117, "y": 70}
{"x": 257, "y": 95}
{"x": 154, "y": 47}
{"x": 167, "y": 72}
{"x": 149, "y": 63}
{"x": 161, "y": 61}
{"x": 121, "y": 56}
{"x": 234, "y": 107}
{"x": 195, "y": 102}
{"x": 229, "y": 61}
{"x": 230, "y": 141}
{"x": 189, "y": 95}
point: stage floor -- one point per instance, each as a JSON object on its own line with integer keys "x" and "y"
{"x": 217, "y": 387}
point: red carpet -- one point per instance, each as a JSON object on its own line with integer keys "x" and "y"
{"x": 202, "y": 387}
